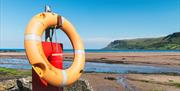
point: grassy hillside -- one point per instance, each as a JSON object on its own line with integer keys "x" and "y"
{"x": 171, "y": 41}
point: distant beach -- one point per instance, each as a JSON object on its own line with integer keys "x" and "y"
{"x": 95, "y": 50}
{"x": 128, "y": 69}
{"x": 141, "y": 57}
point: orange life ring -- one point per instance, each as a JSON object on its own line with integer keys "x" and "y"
{"x": 37, "y": 58}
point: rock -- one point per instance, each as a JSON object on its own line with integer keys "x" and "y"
{"x": 25, "y": 84}
{"x": 110, "y": 78}
{"x": 5, "y": 85}
{"x": 21, "y": 84}
{"x": 80, "y": 85}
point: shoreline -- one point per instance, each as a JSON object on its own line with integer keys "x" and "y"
{"x": 115, "y": 81}
{"x": 111, "y": 82}
{"x": 167, "y": 59}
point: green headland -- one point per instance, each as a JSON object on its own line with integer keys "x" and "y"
{"x": 169, "y": 42}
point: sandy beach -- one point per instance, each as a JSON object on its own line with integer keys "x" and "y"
{"x": 133, "y": 82}
{"x": 114, "y": 82}
{"x": 145, "y": 58}
{"x": 126, "y": 82}
{"x": 141, "y": 58}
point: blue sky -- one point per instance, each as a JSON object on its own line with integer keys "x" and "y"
{"x": 97, "y": 21}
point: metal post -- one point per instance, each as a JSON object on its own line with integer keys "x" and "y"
{"x": 48, "y": 31}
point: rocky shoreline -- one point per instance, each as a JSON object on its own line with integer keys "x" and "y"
{"x": 101, "y": 82}
{"x": 25, "y": 84}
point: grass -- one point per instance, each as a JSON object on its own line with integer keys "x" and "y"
{"x": 14, "y": 72}
{"x": 176, "y": 84}
{"x": 157, "y": 90}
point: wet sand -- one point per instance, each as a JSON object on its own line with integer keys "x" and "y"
{"x": 98, "y": 82}
{"x": 145, "y": 58}
{"x": 134, "y": 82}
{"x": 137, "y": 82}
{"x": 154, "y": 82}
{"x": 140, "y": 58}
